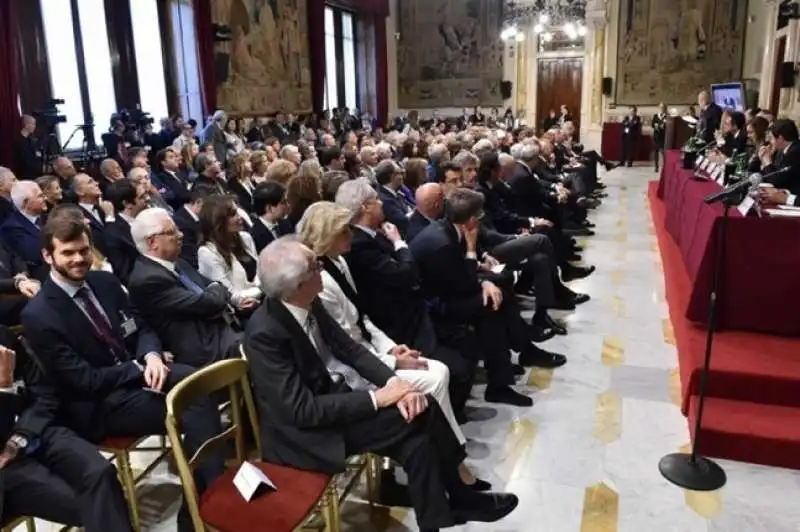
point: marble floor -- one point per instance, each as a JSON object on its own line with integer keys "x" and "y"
{"x": 584, "y": 457}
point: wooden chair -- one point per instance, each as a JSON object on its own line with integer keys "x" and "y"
{"x": 221, "y": 507}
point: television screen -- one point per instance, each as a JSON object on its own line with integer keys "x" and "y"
{"x": 729, "y": 96}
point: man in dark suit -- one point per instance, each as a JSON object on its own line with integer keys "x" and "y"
{"x": 322, "y": 397}
{"x": 209, "y": 172}
{"x": 88, "y": 195}
{"x": 173, "y": 189}
{"x": 631, "y": 131}
{"x": 659, "y": 124}
{"x": 21, "y": 230}
{"x": 128, "y": 201}
{"x": 396, "y": 209}
{"x": 735, "y": 134}
{"x": 7, "y": 180}
{"x": 191, "y": 315}
{"x": 269, "y": 205}
{"x": 446, "y": 252}
{"x": 46, "y": 470}
{"x": 710, "y": 117}
{"x": 16, "y": 286}
{"x": 430, "y": 206}
{"x": 106, "y": 364}
{"x": 783, "y": 153}
{"x": 187, "y": 219}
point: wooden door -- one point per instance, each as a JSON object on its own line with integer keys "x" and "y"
{"x": 775, "y": 96}
{"x": 559, "y": 82}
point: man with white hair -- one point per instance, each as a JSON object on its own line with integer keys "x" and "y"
{"x": 437, "y": 154}
{"x": 369, "y": 159}
{"x": 214, "y": 134}
{"x": 21, "y": 230}
{"x": 291, "y": 153}
{"x": 383, "y": 151}
{"x": 7, "y": 180}
{"x": 308, "y": 377}
{"x": 191, "y": 315}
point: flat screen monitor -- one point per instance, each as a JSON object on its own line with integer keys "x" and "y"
{"x": 729, "y": 95}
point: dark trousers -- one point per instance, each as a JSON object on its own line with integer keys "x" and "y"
{"x": 658, "y": 150}
{"x": 65, "y": 480}
{"x": 629, "y": 145}
{"x": 539, "y": 268}
{"x": 427, "y": 450}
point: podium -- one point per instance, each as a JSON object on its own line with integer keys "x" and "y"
{"x": 676, "y": 133}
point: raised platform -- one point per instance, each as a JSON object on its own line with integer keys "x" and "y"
{"x": 753, "y": 410}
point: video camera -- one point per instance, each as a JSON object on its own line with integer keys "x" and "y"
{"x": 49, "y": 114}
{"x": 133, "y": 119}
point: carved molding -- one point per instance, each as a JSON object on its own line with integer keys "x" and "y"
{"x": 596, "y": 14}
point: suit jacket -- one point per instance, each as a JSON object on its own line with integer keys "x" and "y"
{"x": 6, "y": 208}
{"x": 195, "y": 327}
{"x": 497, "y": 212}
{"x": 529, "y": 197}
{"x": 122, "y": 252}
{"x": 659, "y": 124}
{"x": 77, "y": 359}
{"x": 262, "y": 236}
{"x": 23, "y": 238}
{"x": 191, "y": 235}
{"x": 416, "y": 223}
{"x": 216, "y": 136}
{"x": 709, "y": 121}
{"x": 173, "y": 189}
{"x": 388, "y": 282}
{"x": 303, "y": 411}
{"x": 219, "y": 185}
{"x": 737, "y": 143}
{"x": 395, "y": 209}
{"x": 97, "y": 224}
{"x": 10, "y": 265}
{"x": 632, "y": 127}
{"x": 790, "y": 179}
{"x": 244, "y": 196}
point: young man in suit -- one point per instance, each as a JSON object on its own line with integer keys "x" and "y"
{"x": 783, "y": 153}
{"x": 269, "y": 205}
{"x": 389, "y": 176}
{"x": 192, "y": 316}
{"x": 128, "y": 201}
{"x": 21, "y": 230}
{"x": 323, "y": 397}
{"x": 106, "y": 364}
{"x": 46, "y": 470}
{"x": 631, "y": 131}
{"x": 87, "y": 192}
{"x": 173, "y": 189}
{"x": 187, "y": 218}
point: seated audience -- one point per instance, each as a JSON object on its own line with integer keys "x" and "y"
{"x": 7, "y": 180}
{"x": 110, "y": 171}
{"x": 105, "y": 379}
{"x": 51, "y": 188}
{"x": 188, "y": 221}
{"x": 429, "y": 208}
{"x": 21, "y": 230}
{"x": 170, "y": 185}
{"x": 322, "y": 397}
{"x": 210, "y": 173}
{"x": 396, "y": 208}
{"x": 270, "y": 207}
{"x": 240, "y": 181}
{"x": 191, "y": 315}
{"x": 16, "y": 286}
{"x": 128, "y": 201}
{"x": 98, "y": 212}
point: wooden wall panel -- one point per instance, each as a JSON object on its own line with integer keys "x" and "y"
{"x": 559, "y": 82}
{"x": 123, "y": 54}
{"x": 32, "y": 65}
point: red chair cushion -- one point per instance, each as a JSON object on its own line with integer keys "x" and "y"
{"x": 224, "y": 508}
{"x": 119, "y": 442}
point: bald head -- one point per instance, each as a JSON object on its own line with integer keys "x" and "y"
{"x": 430, "y": 200}
{"x": 64, "y": 168}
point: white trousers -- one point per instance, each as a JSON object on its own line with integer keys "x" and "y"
{"x": 435, "y": 381}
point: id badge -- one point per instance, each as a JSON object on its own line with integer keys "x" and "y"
{"x": 128, "y": 327}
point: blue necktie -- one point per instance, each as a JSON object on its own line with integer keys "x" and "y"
{"x": 187, "y": 282}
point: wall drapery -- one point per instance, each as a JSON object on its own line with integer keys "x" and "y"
{"x": 9, "y": 114}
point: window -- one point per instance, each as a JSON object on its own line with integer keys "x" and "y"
{"x": 57, "y": 22}
{"x": 149, "y": 60}
{"x": 349, "y": 49}
{"x": 188, "y": 70}
{"x": 331, "y": 90}
{"x": 97, "y": 56}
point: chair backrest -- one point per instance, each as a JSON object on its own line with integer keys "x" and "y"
{"x": 226, "y": 374}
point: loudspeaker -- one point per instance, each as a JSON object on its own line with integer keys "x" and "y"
{"x": 607, "y": 86}
{"x": 787, "y": 75}
{"x": 505, "y": 89}
{"x": 221, "y": 64}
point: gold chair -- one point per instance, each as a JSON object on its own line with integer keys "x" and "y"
{"x": 221, "y": 507}
{"x": 30, "y": 526}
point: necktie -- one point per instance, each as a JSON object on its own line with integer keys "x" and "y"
{"x": 187, "y": 282}
{"x": 101, "y": 323}
{"x": 334, "y": 366}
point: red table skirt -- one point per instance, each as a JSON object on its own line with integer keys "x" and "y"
{"x": 761, "y": 271}
{"x": 611, "y": 144}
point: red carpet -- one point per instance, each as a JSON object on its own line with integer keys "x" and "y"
{"x": 752, "y": 413}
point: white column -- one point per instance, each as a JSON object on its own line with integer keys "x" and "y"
{"x": 592, "y": 100}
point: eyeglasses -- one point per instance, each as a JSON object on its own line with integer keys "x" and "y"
{"x": 170, "y": 232}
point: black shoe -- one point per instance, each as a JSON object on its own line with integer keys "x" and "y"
{"x": 480, "y": 485}
{"x": 486, "y": 508}
{"x": 542, "y": 333}
{"x": 544, "y": 320}
{"x": 579, "y": 299}
{"x": 541, "y": 358}
{"x": 391, "y": 492}
{"x": 630, "y": 165}
{"x": 506, "y": 395}
{"x": 570, "y": 272}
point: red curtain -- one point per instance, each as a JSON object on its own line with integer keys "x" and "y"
{"x": 381, "y": 71}
{"x": 9, "y": 88}
{"x": 316, "y": 52}
{"x": 204, "y": 33}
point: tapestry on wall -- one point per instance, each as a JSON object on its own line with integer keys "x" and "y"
{"x": 671, "y": 54}
{"x": 450, "y": 53}
{"x": 268, "y": 67}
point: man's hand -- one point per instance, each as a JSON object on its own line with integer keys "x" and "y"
{"x": 412, "y": 405}
{"x": 9, "y": 453}
{"x": 471, "y": 238}
{"x": 107, "y": 208}
{"x": 392, "y": 392}
{"x": 391, "y": 232}
{"x": 29, "y": 287}
{"x": 774, "y": 195}
{"x": 490, "y": 261}
{"x": 8, "y": 359}
{"x": 491, "y": 295}
{"x": 246, "y": 304}
{"x": 765, "y": 154}
{"x": 541, "y": 222}
{"x": 155, "y": 371}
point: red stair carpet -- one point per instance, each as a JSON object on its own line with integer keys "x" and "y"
{"x": 752, "y": 412}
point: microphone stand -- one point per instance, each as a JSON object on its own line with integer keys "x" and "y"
{"x": 693, "y": 471}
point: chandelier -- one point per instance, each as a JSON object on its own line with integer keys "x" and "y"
{"x": 547, "y": 17}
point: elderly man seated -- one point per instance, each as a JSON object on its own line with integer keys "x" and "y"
{"x": 323, "y": 397}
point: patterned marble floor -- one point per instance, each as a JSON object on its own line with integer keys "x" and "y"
{"x": 584, "y": 458}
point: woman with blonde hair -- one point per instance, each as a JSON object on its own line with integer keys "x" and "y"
{"x": 240, "y": 182}
{"x": 258, "y": 166}
{"x": 325, "y": 229}
{"x": 188, "y": 152}
{"x": 281, "y": 171}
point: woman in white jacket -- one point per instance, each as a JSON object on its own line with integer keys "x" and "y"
{"x": 227, "y": 254}
{"x": 325, "y": 228}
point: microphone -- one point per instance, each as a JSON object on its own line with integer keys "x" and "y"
{"x": 753, "y": 181}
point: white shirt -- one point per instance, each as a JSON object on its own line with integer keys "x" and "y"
{"x": 272, "y": 227}
{"x": 72, "y": 290}
{"x": 345, "y": 313}
{"x": 165, "y": 263}
{"x": 212, "y": 265}
{"x": 191, "y": 213}
{"x": 31, "y": 218}
{"x": 301, "y": 315}
{"x": 400, "y": 244}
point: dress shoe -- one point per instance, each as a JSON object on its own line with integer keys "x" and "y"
{"x": 480, "y": 485}
{"x": 570, "y": 272}
{"x": 580, "y": 299}
{"x": 506, "y": 395}
{"x": 542, "y": 333}
{"x": 486, "y": 508}
{"x": 543, "y": 320}
{"x": 541, "y": 358}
